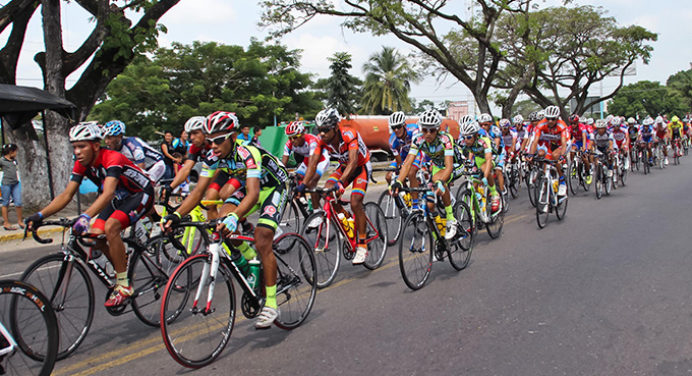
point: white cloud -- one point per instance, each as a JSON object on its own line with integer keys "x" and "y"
{"x": 316, "y": 50}
{"x": 200, "y": 12}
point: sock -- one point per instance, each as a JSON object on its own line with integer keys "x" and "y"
{"x": 248, "y": 252}
{"x": 271, "y": 297}
{"x": 493, "y": 191}
{"x": 361, "y": 241}
{"x": 449, "y": 212}
{"x": 122, "y": 279}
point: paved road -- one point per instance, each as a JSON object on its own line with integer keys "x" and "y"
{"x": 606, "y": 292}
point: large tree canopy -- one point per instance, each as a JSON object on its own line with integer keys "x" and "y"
{"x": 681, "y": 82}
{"x": 343, "y": 90}
{"x": 647, "y": 98}
{"x": 256, "y": 82}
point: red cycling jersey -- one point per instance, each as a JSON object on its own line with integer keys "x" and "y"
{"x": 306, "y": 150}
{"x": 551, "y": 137}
{"x": 350, "y": 140}
{"x": 577, "y": 132}
{"x": 111, "y": 163}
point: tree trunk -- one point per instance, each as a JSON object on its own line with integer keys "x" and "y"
{"x": 33, "y": 171}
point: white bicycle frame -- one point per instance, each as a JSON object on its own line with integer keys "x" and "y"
{"x": 10, "y": 349}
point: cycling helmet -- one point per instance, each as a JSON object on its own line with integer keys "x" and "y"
{"x": 195, "y": 123}
{"x": 540, "y": 114}
{"x": 552, "y": 112}
{"x": 589, "y": 121}
{"x": 87, "y": 131}
{"x": 295, "y": 127}
{"x": 505, "y": 123}
{"x": 329, "y": 117}
{"x": 430, "y": 119}
{"x": 221, "y": 121}
{"x": 518, "y": 120}
{"x": 397, "y": 119}
{"x": 609, "y": 118}
{"x": 659, "y": 119}
{"x": 616, "y": 121}
{"x": 574, "y": 118}
{"x": 485, "y": 118}
{"x": 469, "y": 128}
{"x": 674, "y": 119}
{"x": 466, "y": 119}
{"x": 648, "y": 121}
{"x": 600, "y": 123}
{"x": 534, "y": 116}
{"x": 631, "y": 121}
{"x": 114, "y": 128}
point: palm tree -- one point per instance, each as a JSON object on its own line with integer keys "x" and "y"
{"x": 387, "y": 82}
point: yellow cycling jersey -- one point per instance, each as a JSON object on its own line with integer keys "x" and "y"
{"x": 673, "y": 126}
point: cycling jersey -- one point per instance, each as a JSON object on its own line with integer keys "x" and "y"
{"x": 138, "y": 151}
{"x": 675, "y": 126}
{"x": 250, "y": 161}
{"x": 300, "y": 153}
{"x": 131, "y": 179}
{"x": 479, "y": 149}
{"x": 551, "y": 138}
{"x": 441, "y": 147}
{"x": 494, "y": 133}
{"x": 660, "y": 132}
{"x": 577, "y": 133}
{"x": 602, "y": 141}
{"x": 619, "y": 134}
{"x": 401, "y": 146}
{"x": 350, "y": 140}
{"x": 203, "y": 154}
{"x": 508, "y": 138}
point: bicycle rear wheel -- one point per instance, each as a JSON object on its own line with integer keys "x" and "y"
{"x": 461, "y": 246}
{"x": 30, "y": 321}
{"x": 194, "y": 333}
{"x": 327, "y": 259}
{"x": 296, "y": 285}
{"x": 416, "y": 251}
{"x": 71, "y": 294}
{"x": 561, "y": 208}
{"x": 393, "y": 215}
{"x": 533, "y": 178}
{"x": 542, "y": 202}
{"x": 292, "y": 218}
{"x": 376, "y": 227}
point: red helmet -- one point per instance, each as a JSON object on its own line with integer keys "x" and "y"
{"x": 295, "y": 127}
{"x": 574, "y": 118}
{"x": 220, "y": 121}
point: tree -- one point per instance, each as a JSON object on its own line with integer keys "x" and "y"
{"x": 647, "y": 98}
{"x": 474, "y": 62}
{"x": 343, "y": 90}
{"x": 113, "y": 43}
{"x": 257, "y": 83}
{"x": 387, "y": 83}
{"x": 681, "y": 82}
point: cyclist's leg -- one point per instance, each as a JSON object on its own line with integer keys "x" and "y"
{"x": 500, "y": 162}
{"x": 413, "y": 180}
{"x": 321, "y": 169}
{"x": 360, "y": 185}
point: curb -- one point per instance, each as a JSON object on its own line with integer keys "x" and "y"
{"x": 20, "y": 235}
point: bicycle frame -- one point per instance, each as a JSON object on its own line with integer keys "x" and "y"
{"x": 11, "y": 343}
{"x": 330, "y": 211}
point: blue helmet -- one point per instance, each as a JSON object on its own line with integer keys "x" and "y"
{"x": 114, "y": 128}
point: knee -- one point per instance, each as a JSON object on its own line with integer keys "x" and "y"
{"x": 112, "y": 228}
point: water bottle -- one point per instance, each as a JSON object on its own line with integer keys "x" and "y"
{"x": 555, "y": 185}
{"x": 441, "y": 224}
{"x": 253, "y": 275}
{"x": 241, "y": 263}
{"x": 347, "y": 224}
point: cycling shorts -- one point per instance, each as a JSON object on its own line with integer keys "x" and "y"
{"x": 321, "y": 167}
{"x": 578, "y": 144}
{"x": 676, "y": 134}
{"x": 127, "y": 210}
{"x": 360, "y": 178}
{"x": 456, "y": 173}
{"x": 222, "y": 177}
{"x": 648, "y": 139}
{"x": 480, "y": 162}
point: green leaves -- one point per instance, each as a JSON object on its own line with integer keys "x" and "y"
{"x": 647, "y": 97}
{"x": 387, "y": 83}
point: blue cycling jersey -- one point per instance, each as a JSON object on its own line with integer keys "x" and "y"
{"x": 494, "y": 133}
{"x": 138, "y": 151}
{"x": 401, "y": 146}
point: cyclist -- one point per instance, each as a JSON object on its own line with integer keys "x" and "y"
{"x": 509, "y": 138}
{"x": 346, "y": 146}
{"x": 675, "y": 130}
{"x": 136, "y": 150}
{"x": 522, "y": 133}
{"x": 261, "y": 179}
{"x": 646, "y": 135}
{"x": 196, "y": 152}
{"x": 490, "y": 130}
{"x": 126, "y": 194}
{"x": 632, "y": 131}
{"x": 312, "y": 165}
{"x": 662, "y": 136}
{"x": 400, "y": 143}
{"x": 535, "y": 117}
{"x": 550, "y": 140}
{"x": 580, "y": 141}
{"x": 478, "y": 148}
{"x": 621, "y": 136}
{"x": 439, "y": 146}
{"x": 604, "y": 142}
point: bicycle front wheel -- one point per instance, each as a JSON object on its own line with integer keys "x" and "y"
{"x": 376, "y": 228}
{"x": 195, "y": 329}
{"x": 327, "y": 254}
{"x": 392, "y": 214}
{"x": 296, "y": 284}
{"x": 71, "y": 293}
{"x": 29, "y": 320}
{"x": 542, "y": 202}
{"x": 416, "y": 251}
{"x": 460, "y": 248}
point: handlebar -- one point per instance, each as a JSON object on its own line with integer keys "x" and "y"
{"x": 321, "y": 191}
{"x": 381, "y": 169}
{"x": 62, "y": 222}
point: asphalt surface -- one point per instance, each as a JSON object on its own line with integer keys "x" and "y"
{"x": 605, "y": 292}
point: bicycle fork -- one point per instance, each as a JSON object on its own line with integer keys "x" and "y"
{"x": 209, "y": 271}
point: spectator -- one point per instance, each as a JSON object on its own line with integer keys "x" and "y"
{"x": 10, "y": 187}
{"x": 168, "y": 157}
{"x": 255, "y": 137}
{"x": 244, "y": 135}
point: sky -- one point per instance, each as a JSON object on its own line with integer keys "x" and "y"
{"x": 236, "y": 22}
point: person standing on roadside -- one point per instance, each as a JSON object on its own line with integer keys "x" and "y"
{"x": 10, "y": 187}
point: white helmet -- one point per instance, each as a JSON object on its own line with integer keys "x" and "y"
{"x": 469, "y": 128}
{"x": 329, "y": 117}
{"x": 430, "y": 119}
{"x": 397, "y": 119}
{"x": 600, "y": 123}
{"x": 505, "y": 123}
{"x": 195, "y": 123}
{"x": 589, "y": 121}
{"x": 552, "y": 112}
{"x": 466, "y": 119}
{"x": 648, "y": 121}
{"x": 221, "y": 121}
{"x": 659, "y": 119}
{"x": 540, "y": 114}
{"x": 485, "y": 118}
{"x": 631, "y": 121}
{"x": 518, "y": 120}
{"x": 616, "y": 121}
{"x": 87, "y": 131}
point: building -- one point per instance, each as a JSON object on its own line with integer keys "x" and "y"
{"x": 457, "y": 110}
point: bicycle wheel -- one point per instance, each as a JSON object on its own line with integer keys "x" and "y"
{"x": 513, "y": 181}
{"x": 416, "y": 251}
{"x": 327, "y": 258}
{"x": 542, "y": 202}
{"x": 598, "y": 182}
{"x": 574, "y": 177}
{"x": 393, "y": 215}
{"x": 376, "y": 227}
{"x": 607, "y": 184}
{"x": 531, "y": 186}
{"x": 71, "y": 293}
{"x": 148, "y": 274}
{"x": 26, "y": 316}
{"x": 295, "y": 291}
{"x": 497, "y": 220}
{"x": 561, "y": 208}
{"x": 623, "y": 176}
{"x": 199, "y": 331}
{"x": 461, "y": 246}
{"x": 291, "y": 218}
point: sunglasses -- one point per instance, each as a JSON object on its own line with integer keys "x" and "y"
{"x": 550, "y": 119}
{"x": 395, "y": 127}
{"x": 429, "y": 130}
{"x": 468, "y": 137}
{"x": 293, "y": 138}
{"x": 218, "y": 140}
{"x": 324, "y": 129}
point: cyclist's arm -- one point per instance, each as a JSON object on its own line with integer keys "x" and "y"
{"x": 488, "y": 166}
{"x": 584, "y": 140}
{"x": 110, "y": 183}
{"x": 61, "y": 200}
{"x": 534, "y": 142}
{"x": 284, "y": 159}
{"x": 196, "y": 195}
{"x": 444, "y": 174}
{"x": 408, "y": 162}
{"x": 563, "y": 147}
{"x": 252, "y": 190}
{"x": 183, "y": 173}
{"x": 312, "y": 166}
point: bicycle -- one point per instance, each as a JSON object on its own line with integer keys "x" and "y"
{"x": 547, "y": 199}
{"x": 343, "y": 241}
{"x": 28, "y": 330}
{"x": 64, "y": 278}
{"x": 602, "y": 182}
{"x": 513, "y": 174}
{"x": 423, "y": 238}
{"x": 198, "y": 308}
{"x": 677, "y": 151}
{"x": 531, "y": 179}
{"x": 476, "y": 200}
{"x": 577, "y": 173}
{"x": 659, "y": 157}
{"x": 297, "y": 208}
{"x": 644, "y": 155}
{"x": 621, "y": 170}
